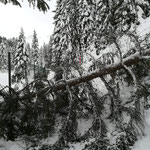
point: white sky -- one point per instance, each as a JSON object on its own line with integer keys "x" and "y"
{"x": 12, "y": 18}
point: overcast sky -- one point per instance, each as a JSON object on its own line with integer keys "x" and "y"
{"x": 12, "y": 18}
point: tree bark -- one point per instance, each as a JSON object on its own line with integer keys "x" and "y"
{"x": 131, "y": 60}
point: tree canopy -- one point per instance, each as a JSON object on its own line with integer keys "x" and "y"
{"x": 42, "y": 5}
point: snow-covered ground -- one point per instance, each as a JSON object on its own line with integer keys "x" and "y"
{"x": 144, "y": 142}
{"x": 4, "y": 78}
{"x": 9, "y": 145}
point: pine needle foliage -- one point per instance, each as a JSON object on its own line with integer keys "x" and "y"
{"x": 42, "y": 5}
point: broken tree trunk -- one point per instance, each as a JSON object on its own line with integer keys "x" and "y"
{"x": 131, "y": 60}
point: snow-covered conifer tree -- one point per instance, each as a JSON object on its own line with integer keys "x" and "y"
{"x": 46, "y": 59}
{"x": 66, "y": 42}
{"x": 35, "y": 51}
{"x": 3, "y": 55}
{"x": 21, "y": 59}
{"x": 46, "y": 51}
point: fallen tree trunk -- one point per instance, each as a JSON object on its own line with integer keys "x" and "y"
{"x": 131, "y": 60}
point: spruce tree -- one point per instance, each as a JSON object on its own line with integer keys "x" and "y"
{"x": 89, "y": 25}
{"x": 66, "y": 42}
{"x": 47, "y": 53}
{"x": 3, "y": 55}
{"x": 29, "y": 50}
{"x": 21, "y": 59}
{"x": 35, "y": 52}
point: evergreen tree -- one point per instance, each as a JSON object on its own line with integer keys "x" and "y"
{"x": 66, "y": 42}
{"x": 12, "y": 46}
{"x": 47, "y": 53}
{"x": 30, "y": 56}
{"x": 5, "y": 45}
{"x": 90, "y": 25}
{"x": 41, "y": 58}
{"x": 21, "y": 59}
{"x": 3, "y": 55}
{"x": 42, "y": 5}
{"x": 35, "y": 51}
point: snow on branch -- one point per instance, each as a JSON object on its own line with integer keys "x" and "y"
{"x": 131, "y": 60}
{"x": 145, "y": 57}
